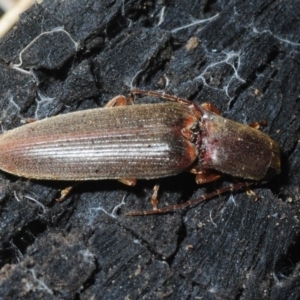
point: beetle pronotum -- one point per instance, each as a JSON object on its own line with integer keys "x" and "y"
{"x": 147, "y": 141}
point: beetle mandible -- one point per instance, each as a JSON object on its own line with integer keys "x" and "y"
{"x": 147, "y": 141}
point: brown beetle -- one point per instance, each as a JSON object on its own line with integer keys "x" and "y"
{"x": 140, "y": 142}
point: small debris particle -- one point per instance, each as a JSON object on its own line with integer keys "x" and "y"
{"x": 189, "y": 247}
{"x": 200, "y": 224}
{"x": 192, "y": 43}
{"x": 138, "y": 270}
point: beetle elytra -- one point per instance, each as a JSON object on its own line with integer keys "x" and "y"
{"x": 147, "y": 141}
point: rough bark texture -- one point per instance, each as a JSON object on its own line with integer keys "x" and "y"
{"x": 242, "y": 56}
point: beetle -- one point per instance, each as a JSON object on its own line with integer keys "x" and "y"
{"x": 146, "y": 141}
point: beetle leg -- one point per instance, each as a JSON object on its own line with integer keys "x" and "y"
{"x": 172, "y": 208}
{"x": 210, "y": 107}
{"x": 119, "y": 100}
{"x": 29, "y": 120}
{"x": 205, "y": 176}
{"x": 128, "y": 181}
{"x": 252, "y": 193}
{"x": 64, "y": 193}
{"x": 154, "y": 198}
{"x": 257, "y": 125}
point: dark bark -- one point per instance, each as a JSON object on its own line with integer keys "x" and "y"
{"x": 79, "y": 54}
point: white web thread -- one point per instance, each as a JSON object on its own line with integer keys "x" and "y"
{"x": 211, "y": 219}
{"x": 16, "y": 196}
{"x": 41, "y": 284}
{"x": 195, "y": 22}
{"x": 161, "y": 16}
{"x": 113, "y": 213}
{"x": 57, "y": 29}
{"x": 9, "y": 111}
{"x": 286, "y": 41}
{"x": 43, "y": 100}
{"x": 18, "y": 253}
{"x": 13, "y": 103}
{"x": 229, "y": 59}
{"x": 36, "y": 202}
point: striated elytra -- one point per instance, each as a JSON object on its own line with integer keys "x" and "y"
{"x": 141, "y": 142}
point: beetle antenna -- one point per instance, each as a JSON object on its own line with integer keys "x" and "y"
{"x": 160, "y": 95}
{"x": 172, "y": 208}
